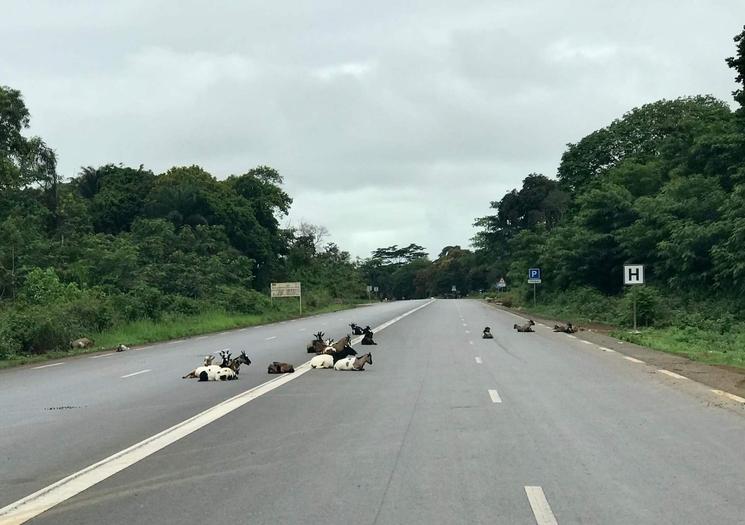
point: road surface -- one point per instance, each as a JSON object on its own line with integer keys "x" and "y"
{"x": 444, "y": 427}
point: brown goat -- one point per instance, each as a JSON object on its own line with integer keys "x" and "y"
{"x": 527, "y": 327}
{"x": 280, "y": 368}
{"x": 568, "y": 329}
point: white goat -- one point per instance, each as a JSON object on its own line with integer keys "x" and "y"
{"x": 322, "y": 361}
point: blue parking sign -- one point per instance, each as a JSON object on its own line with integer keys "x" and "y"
{"x": 534, "y": 275}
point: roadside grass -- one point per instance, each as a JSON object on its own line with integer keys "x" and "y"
{"x": 175, "y": 327}
{"x": 705, "y": 345}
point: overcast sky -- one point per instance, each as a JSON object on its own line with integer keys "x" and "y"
{"x": 392, "y": 122}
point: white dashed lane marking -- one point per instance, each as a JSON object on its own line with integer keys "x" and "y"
{"x": 671, "y": 374}
{"x": 102, "y": 355}
{"x": 633, "y": 359}
{"x": 605, "y": 349}
{"x": 494, "y": 395}
{"x": 47, "y": 366}
{"x": 539, "y": 504}
{"x": 572, "y": 337}
{"x": 270, "y": 338}
{"x": 478, "y": 360}
{"x": 586, "y": 342}
{"x": 137, "y": 373}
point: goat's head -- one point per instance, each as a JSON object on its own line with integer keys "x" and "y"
{"x": 243, "y": 358}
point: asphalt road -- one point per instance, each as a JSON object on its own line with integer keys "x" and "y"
{"x": 444, "y": 427}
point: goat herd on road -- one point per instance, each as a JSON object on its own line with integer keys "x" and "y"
{"x": 338, "y": 355}
{"x": 528, "y": 327}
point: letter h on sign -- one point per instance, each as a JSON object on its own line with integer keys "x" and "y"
{"x": 633, "y": 274}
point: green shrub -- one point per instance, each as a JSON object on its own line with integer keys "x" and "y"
{"x": 648, "y": 307}
{"x": 241, "y": 300}
{"x": 180, "y": 305}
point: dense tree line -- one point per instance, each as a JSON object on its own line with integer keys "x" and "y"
{"x": 662, "y": 186}
{"x": 118, "y": 243}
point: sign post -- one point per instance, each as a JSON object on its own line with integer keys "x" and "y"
{"x": 501, "y": 284}
{"x": 287, "y": 290}
{"x": 369, "y": 289}
{"x": 633, "y": 274}
{"x": 534, "y": 277}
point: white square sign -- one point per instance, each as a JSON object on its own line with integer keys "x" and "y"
{"x": 633, "y": 274}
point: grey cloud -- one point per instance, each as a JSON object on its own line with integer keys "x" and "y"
{"x": 409, "y": 116}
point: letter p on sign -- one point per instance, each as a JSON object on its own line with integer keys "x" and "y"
{"x": 633, "y": 274}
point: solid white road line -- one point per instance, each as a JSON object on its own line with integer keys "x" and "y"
{"x": 633, "y": 359}
{"x": 606, "y": 349}
{"x": 494, "y": 395}
{"x": 572, "y": 336}
{"x": 270, "y": 338}
{"x": 586, "y": 342}
{"x": 47, "y": 366}
{"x": 137, "y": 373}
{"x": 34, "y": 504}
{"x": 671, "y": 374}
{"x": 733, "y": 397}
{"x": 102, "y": 355}
{"x": 478, "y": 360}
{"x": 541, "y": 509}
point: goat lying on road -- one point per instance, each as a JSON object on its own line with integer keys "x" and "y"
{"x": 280, "y": 368}
{"x": 357, "y": 329}
{"x": 353, "y": 363}
{"x": 487, "y": 334}
{"x": 338, "y": 346}
{"x": 316, "y": 345}
{"x": 122, "y": 348}
{"x": 330, "y": 359}
{"x": 568, "y": 329}
{"x": 527, "y": 327}
{"x": 210, "y": 372}
{"x": 367, "y": 339}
